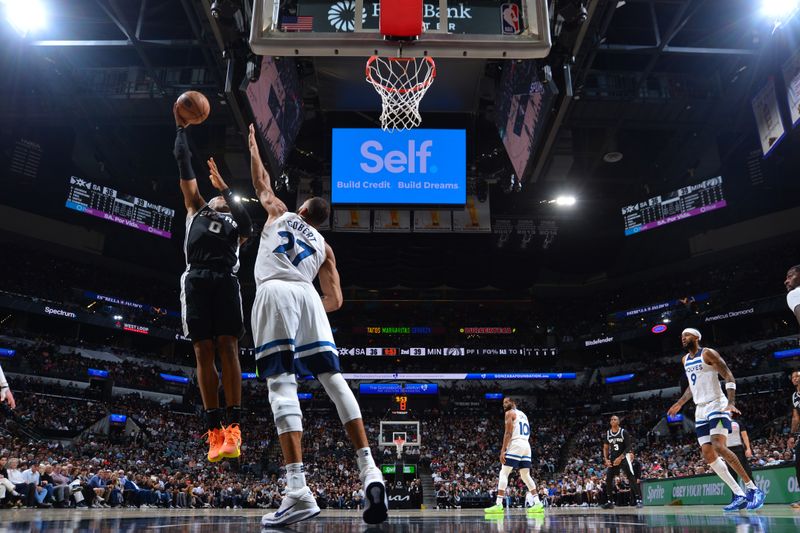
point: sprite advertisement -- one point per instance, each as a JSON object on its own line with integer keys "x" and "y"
{"x": 778, "y": 482}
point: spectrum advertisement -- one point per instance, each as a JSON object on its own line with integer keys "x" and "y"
{"x": 414, "y": 167}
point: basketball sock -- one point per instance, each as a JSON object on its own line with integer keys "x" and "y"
{"x": 295, "y": 476}
{"x": 724, "y": 474}
{"x": 234, "y": 414}
{"x": 535, "y": 498}
{"x": 364, "y": 460}
{"x": 499, "y": 500}
{"x": 214, "y": 418}
{"x": 750, "y": 485}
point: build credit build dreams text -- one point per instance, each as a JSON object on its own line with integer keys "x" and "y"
{"x": 410, "y": 162}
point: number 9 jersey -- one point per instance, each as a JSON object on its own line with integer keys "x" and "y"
{"x": 290, "y": 250}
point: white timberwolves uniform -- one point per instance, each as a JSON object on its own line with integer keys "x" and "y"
{"x": 518, "y": 454}
{"x": 290, "y": 326}
{"x": 710, "y": 416}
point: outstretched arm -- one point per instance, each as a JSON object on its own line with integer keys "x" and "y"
{"x": 713, "y": 359}
{"x": 329, "y": 282}
{"x": 244, "y": 225}
{"x": 262, "y": 182}
{"x": 191, "y": 195}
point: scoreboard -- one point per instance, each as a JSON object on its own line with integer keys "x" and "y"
{"x": 680, "y": 204}
{"x": 108, "y": 204}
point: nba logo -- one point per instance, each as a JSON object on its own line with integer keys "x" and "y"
{"x": 509, "y": 18}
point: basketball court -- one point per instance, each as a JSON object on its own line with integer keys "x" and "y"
{"x": 670, "y": 519}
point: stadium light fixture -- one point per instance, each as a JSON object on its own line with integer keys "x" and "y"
{"x": 565, "y": 201}
{"x": 779, "y": 9}
{"x": 237, "y": 198}
{"x": 25, "y": 16}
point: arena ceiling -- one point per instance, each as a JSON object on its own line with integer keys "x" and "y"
{"x": 666, "y": 83}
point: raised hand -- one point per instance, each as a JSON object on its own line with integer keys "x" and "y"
{"x": 215, "y": 176}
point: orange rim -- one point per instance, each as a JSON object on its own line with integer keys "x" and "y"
{"x": 418, "y": 87}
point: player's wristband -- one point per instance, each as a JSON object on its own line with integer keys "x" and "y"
{"x": 730, "y": 385}
{"x": 227, "y": 194}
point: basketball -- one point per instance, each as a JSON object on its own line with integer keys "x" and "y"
{"x": 193, "y": 107}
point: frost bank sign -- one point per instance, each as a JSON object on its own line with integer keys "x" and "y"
{"x": 778, "y": 483}
{"x": 471, "y": 16}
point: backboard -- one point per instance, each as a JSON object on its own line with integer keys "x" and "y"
{"x": 513, "y": 29}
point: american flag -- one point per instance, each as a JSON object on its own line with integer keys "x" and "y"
{"x": 297, "y": 23}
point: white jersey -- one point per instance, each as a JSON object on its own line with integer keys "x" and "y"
{"x": 522, "y": 429}
{"x": 290, "y": 250}
{"x": 703, "y": 379}
{"x": 793, "y": 299}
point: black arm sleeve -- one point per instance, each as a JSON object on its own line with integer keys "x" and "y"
{"x": 183, "y": 155}
{"x": 239, "y": 213}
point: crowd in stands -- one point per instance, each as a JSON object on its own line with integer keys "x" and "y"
{"x": 543, "y": 320}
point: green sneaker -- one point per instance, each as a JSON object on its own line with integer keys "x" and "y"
{"x": 494, "y": 509}
{"x": 537, "y": 508}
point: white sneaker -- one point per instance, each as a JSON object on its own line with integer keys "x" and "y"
{"x": 376, "y": 500}
{"x": 296, "y": 506}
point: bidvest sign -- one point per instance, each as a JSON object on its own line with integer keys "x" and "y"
{"x": 414, "y": 167}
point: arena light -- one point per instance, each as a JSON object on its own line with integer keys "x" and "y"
{"x": 565, "y": 201}
{"x": 779, "y": 9}
{"x": 25, "y": 16}
{"x": 237, "y": 198}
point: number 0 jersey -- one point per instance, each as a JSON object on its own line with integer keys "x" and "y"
{"x": 703, "y": 379}
{"x": 522, "y": 429}
{"x": 290, "y": 250}
{"x": 212, "y": 241}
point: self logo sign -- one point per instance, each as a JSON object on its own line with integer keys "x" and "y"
{"x": 415, "y": 167}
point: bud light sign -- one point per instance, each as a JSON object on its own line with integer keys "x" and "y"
{"x": 415, "y": 167}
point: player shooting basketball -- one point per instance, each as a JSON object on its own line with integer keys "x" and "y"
{"x": 211, "y": 302}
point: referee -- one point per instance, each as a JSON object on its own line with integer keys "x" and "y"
{"x": 211, "y": 302}
{"x": 617, "y": 453}
{"x": 796, "y": 427}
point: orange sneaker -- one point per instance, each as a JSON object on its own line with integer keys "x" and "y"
{"x": 230, "y": 448}
{"x": 215, "y": 439}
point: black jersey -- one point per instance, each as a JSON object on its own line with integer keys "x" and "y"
{"x": 619, "y": 443}
{"x": 212, "y": 241}
{"x": 796, "y": 400}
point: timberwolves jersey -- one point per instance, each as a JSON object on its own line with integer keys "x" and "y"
{"x": 703, "y": 379}
{"x": 522, "y": 429}
{"x": 290, "y": 250}
{"x": 212, "y": 241}
{"x": 796, "y": 400}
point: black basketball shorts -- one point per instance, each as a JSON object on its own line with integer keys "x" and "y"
{"x": 211, "y": 304}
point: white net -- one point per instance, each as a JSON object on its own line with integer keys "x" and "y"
{"x": 401, "y": 82}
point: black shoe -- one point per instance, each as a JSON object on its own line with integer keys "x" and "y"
{"x": 608, "y": 505}
{"x": 639, "y": 504}
{"x": 44, "y": 505}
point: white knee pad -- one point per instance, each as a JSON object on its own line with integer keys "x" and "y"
{"x": 284, "y": 403}
{"x": 525, "y": 475}
{"x": 504, "y": 472}
{"x": 341, "y": 395}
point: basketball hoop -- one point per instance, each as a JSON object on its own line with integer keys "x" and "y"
{"x": 399, "y": 442}
{"x": 401, "y": 82}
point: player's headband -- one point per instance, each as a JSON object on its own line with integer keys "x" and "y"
{"x": 692, "y": 331}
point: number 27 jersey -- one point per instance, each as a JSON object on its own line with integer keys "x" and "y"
{"x": 290, "y": 250}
